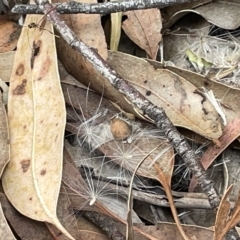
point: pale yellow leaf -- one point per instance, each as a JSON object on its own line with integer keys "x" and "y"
{"x": 4, "y": 150}
{"x": 116, "y": 22}
{"x": 37, "y": 116}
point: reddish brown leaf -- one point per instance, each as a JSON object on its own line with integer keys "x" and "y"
{"x": 222, "y": 215}
{"x": 9, "y": 34}
{"x": 230, "y": 133}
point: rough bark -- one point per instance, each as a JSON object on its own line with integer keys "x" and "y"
{"x": 100, "y": 8}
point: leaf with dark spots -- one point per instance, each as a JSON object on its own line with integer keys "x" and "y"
{"x": 45, "y": 68}
{"x": 43, "y": 172}
{"x": 20, "y": 89}
{"x": 27, "y": 176}
{"x": 35, "y": 51}
{"x": 20, "y": 70}
{"x": 25, "y": 164}
{"x": 171, "y": 92}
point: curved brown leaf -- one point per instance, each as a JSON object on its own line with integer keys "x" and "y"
{"x": 223, "y": 14}
{"x": 183, "y": 103}
{"x": 227, "y": 96}
{"x": 144, "y": 28}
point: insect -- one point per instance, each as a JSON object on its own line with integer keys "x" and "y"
{"x": 40, "y": 25}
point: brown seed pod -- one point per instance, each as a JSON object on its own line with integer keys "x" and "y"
{"x": 120, "y": 129}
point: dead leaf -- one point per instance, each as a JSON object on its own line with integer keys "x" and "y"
{"x": 9, "y": 34}
{"x": 75, "y": 183}
{"x": 170, "y": 15}
{"x": 88, "y": 230}
{"x": 128, "y": 155}
{"x": 223, "y": 14}
{"x": 162, "y": 87}
{"x": 4, "y": 136}
{"x": 24, "y": 227}
{"x": 129, "y": 227}
{"x": 37, "y": 114}
{"x": 158, "y": 165}
{"x": 144, "y": 28}
{"x": 169, "y": 231}
{"x": 5, "y": 231}
{"x": 230, "y": 133}
{"x": 90, "y": 31}
{"x": 227, "y": 217}
{"x": 227, "y": 96}
{"x": 165, "y": 177}
{"x": 6, "y": 65}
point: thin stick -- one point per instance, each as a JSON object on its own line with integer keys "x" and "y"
{"x": 136, "y": 98}
{"x": 100, "y": 8}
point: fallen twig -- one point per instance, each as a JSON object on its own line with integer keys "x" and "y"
{"x": 136, "y": 98}
{"x": 100, "y": 8}
{"x": 105, "y": 223}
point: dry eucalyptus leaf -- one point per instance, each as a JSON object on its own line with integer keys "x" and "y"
{"x": 24, "y": 227}
{"x": 128, "y": 155}
{"x": 230, "y": 133}
{"x": 169, "y": 231}
{"x": 225, "y": 220}
{"x": 170, "y": 15}
{"x": 75, "y": 183}
{"x": 4, "y": 136}
{"x": 87, "y": 229}
{"x": 5, "y": 231}
{"x": 6, "y": 64}
{"x": 9, "y": 34}
{"x": 223, "y": 14}
{"x": 144, "y": 28}
{"x": 227, "y": 96}
{"x": 88, "y": 28}
{"x": 183, "y": 103}
{"x": 67, "y": 215}
{"x": 37, "y": 117}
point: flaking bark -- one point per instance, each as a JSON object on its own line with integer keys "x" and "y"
{"x": 100, "y": 8}
{"x": 156, "y": 113}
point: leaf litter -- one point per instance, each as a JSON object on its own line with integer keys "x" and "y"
{"x": 110, "y": 160}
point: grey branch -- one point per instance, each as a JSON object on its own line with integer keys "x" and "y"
{"x": 100, "y": 8}
{"x": 136, "y": 98}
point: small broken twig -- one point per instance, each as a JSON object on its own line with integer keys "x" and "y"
{"x": 99, "y": 8}
{"x": 105, "y": 223}
{"x": 136, "y": 98}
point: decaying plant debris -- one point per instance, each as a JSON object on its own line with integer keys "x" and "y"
{"x": 126, "y": 168}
